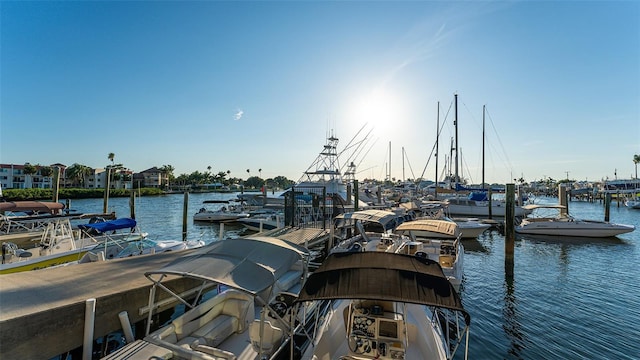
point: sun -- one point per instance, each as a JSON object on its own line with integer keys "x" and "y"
{"x": 378, "y": 107}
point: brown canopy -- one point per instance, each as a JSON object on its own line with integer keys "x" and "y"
{"x": 34, "y": 206}
{"x": 382, "y": 276}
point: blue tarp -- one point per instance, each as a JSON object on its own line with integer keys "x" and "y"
{"x": 104, "y": 226}
{"x": 478, "y": 196}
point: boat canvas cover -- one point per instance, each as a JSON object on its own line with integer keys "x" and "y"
{"x": 111, "y": 225}
{"x": 28, "y": 206}
{"x": 437, "y": 226}
{"x": 543, "y": 206}
{"x": 382, "y": 276}
{"x": 247, "y": 264}
{"x": 387, "y": 219}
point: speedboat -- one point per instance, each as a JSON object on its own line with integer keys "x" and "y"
{"x": 564, "y": 224}
{"x": 438, "y": 240}
{"x": 383, "y": 306}
{"x": 61, "y": 244}
{"x": 229, "y": 213}
{"x": 240, "y": 306}
{"x": 633, "y": 203}
{"x": 263, "y": 220}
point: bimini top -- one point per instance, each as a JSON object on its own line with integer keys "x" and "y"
{"x": 247, "y": 264}
{"x": 388, "y": 219}
{"x": 437, "y": 226}
{"x": 111, "y": 225}
{"x": 31, "y": 206}
{"x": 382, "y": 276}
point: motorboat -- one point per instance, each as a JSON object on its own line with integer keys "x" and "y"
{"x": 263, "y": 220}
{"x": 475, "y": 206}
{"x": 244, "y": 291}
{"x": 117, "y": 245}
{"x": 438, "y": 240}
{"x": 383, "y": 306}
{"x": 367, "y": 230}
{"x": 382, "y": 231}
{"x": 60, "y": 243}
{"x": 228, "y": 213}
{"x": 564, "y": 224}
{"x": 470, "y": 228}
{"x": 633, "y": 203}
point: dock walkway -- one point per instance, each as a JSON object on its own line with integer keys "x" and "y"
{"x": 42, "y": 311}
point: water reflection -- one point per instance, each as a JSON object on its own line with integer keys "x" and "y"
{"x": 571, "y": 240}
{"x": 473, "y": 246}
{"x": 510, "y": 315}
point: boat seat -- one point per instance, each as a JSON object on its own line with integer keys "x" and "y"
{"x": 271, "y": 339}
{"x": 210, "y": 323}
{"x": 215, "y": 331}
{"x": 446, "y": 261}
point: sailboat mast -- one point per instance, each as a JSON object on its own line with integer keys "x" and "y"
{"x": 389, "y": 160}
{"x": 455, "y": 123}
{"x": 437, "y": 149}
{"x": 403, "y": 178}
{"x": 483, "y": 111}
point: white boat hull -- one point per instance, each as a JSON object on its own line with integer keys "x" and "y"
{"x": 577, "y": 228}
{"x": 218, "y": 217}
{"x": 481, "y": 209}
{"x": 634, "y": 204}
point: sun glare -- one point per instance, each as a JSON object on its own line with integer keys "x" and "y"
{"x": 379, "y": 108}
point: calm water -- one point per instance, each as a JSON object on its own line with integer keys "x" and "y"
{"x": 568, "y": 299}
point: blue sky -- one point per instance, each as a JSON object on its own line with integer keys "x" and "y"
{"x": 259, "y": 85}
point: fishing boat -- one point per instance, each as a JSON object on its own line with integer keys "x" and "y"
{"x": 60, "y": 244}
{"x": 115, "y": 244}
{"x": 564, "y": 224}
{"x": 244, "y": 292}
{"x": 409, "y": 311}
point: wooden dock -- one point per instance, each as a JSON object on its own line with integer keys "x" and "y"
{"x": 43, "y": 311}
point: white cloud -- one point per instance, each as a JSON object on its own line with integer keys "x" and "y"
{"x": 238, "y": 114}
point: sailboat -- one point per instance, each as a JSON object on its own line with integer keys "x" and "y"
{"x": 476, "y": 203}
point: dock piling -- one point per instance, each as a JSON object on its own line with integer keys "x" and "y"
{"x": 126, "y": 326}
{"x": 509, "y": 231}
{"x": 607, "y": 206}
{"x": 89, "y": 320}
{"x": 184, "y": 216}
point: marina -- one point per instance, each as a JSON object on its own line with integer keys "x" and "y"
{"x": 558, "y": 303}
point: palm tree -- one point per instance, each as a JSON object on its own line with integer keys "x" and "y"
{"x": 260, "y": 172}
{"x": 47, "y": 172}
{"x": 111, "y": 156}
{"x": 636, "y": 160}
{"x": 78, "y": 173}
{"x": 167, "y": 170}
{"x": 29, "y": 170}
